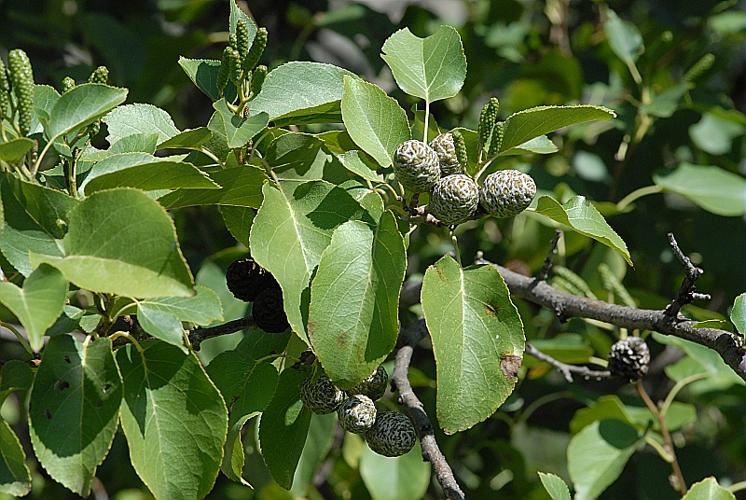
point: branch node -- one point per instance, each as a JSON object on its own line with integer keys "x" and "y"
{"x": 687, "y": 291}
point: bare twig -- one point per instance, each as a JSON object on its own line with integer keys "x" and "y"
{"x": 547, "y": 267}
{"x": 678, "y": 481}
{"x": 687, "y": 291}
{"x": 416, "y": 411}
{"x": 419, "y": 214}
{"x": 197, "y": 335}
{"x": 566, "y": 370}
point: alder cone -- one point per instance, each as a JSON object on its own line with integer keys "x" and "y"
{"x": 321, "y": 396}
{"x": 392, "y": 434}
{"x": 454, "y": 199}
{"x": 445, "y": 147}
{"x": 506, "y": 193}
{"x": 269, "y": 312}
{"x": 629, "y": 358}
{"x": 374, "y": 386}
{"x": 416, "y": 166}
{"x": 246, "y": 279}
{"x": 357, "y": 414}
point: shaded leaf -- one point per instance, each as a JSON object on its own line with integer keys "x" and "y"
{"x": 239, "y": 187}
{"x": 395, "y": 478}
{"x": 738, "y": 313}
{"x": 15, "y": 149}
{"x": 38, "y": 304}
{"x": 709, "y": 187}
{"x": 174, "y": 419}
{"x": 122, "y": 242}
{"x": 237, "y": 131}
{"x": 74, "y": 409}
{"x": 15, "y": 477}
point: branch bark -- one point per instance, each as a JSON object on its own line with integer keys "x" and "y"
{"x": 566, "y": 370}
{"x": 416, "y": 411}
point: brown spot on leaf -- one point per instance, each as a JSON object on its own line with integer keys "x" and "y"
{"x": 48, "y": 414}
{"x": 509, "y": 364}
{"x": 490, "y": 310}
{"x": 67, "y": 359}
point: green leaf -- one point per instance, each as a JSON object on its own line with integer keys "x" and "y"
{"x": 582, "y": 217}
{"x": 353, "y": 319}
{"x": 174, "y": 419}
{"x": 477, "y": 339}
{"x": 353, "y": 161}
{"x": 666, "y": 103}
{"x": 707, "y": 360}
{"x": 318, "y": 443}
{"x": 708, "y": 489}
{"x": 15, "y": 149}
{"x": 122, "y": 242}
{"x": 187, "y": 139}
{"x": 715, "y": 133}
{"x": 283, "y": 428}
{"x": 35, "y": 219}
{"x": 538, "y": 145}
{"x": 84, "y": 104}
{"x": 139, "y": 119}
{"x": 302, "y": 157}
{"x": 374, "y": 120}
{"x": 738, "y": 313}
{"x": 624, "y": 38}
{"x": 237, "y": 131}
{"x": 45, "y": 97}
{"x": 38, "y": 304}
{"x": 161, "y": 324}
{"x": 15, "y": 477}
{"x": 237, "y": 14}
{"x": 301, "y": 92}
{"x": 201, "y": 309}
{"x": 555, "y": 486}
{"x": 240, "y": 187}
{"x": 395, "y": 478}
{"x": 74, "y": 409}
{"x": 431, "y": 68}
{"x": 204, "y": 74}
{"x": 610, "y": 407}
{"x": 238, "y": 222}
{"x": 291, "y": 230}
{"x": 16, "y": 375}
{"x": 597, "y": 455}
{"x": 709, "y": 187}
{"x": 247, "y": 385}
{"x": 135, "y": 143}
{"x": 151, "y": 176}
{"x": 530, "y": 123}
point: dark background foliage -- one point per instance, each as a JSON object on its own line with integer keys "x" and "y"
{"x": 527, "y": 53}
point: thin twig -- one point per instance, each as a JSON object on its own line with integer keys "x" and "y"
{"x": 687, "y": 291}
{"x": 679, "y": 483}
{"x": 565, "y": 369}
{"x": 416, "y": 411}
{"x": 197, "y": 335}
{"x": 547, "y": 267}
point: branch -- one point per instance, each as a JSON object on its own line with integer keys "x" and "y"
{"x": 544, "y": 271}
{"x": 567, "y": 370}
{"x": 687, "y": 291}
{"x": 197, "y": 335}
{"x": 416, "y": 411}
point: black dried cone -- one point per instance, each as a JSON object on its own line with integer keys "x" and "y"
{"x": 445, "y": 147}
{"x": 454, "y": 199}
{"x": 392, "y": 434}
{"x": 416, "y": 166}
{"x": 321, "y": 396}
{"x": 268, "y": 311}
{"x": 357, "y": 414}
{"x": 246, "y": 279}
{"x": 629, "y": 358}
{"x": 374, "y": 386}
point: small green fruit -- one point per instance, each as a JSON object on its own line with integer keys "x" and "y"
{"x": 22, "y": 81}
{"x": 444, "y": 146}
{"x": 321, "y": 395}
{"x": 374, "y": 386}
{"x": 454, "y": 199}
{"x": 392, "y": 434}
{"x": 416, "y": 166}
{"x": 357, "y": 414}
{"x": 507, "y": 193}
